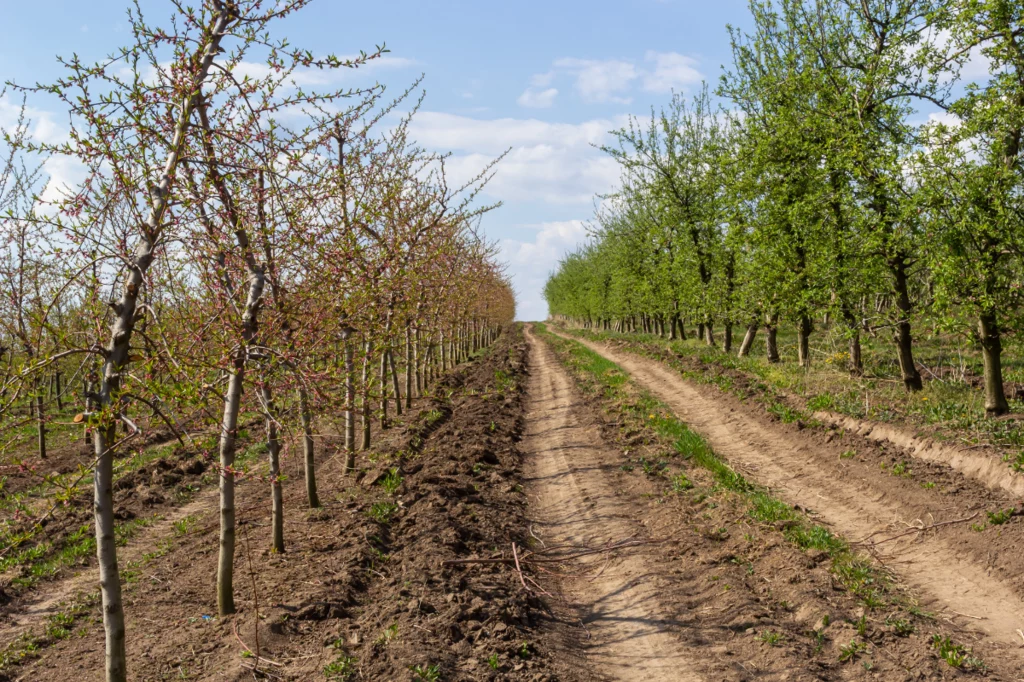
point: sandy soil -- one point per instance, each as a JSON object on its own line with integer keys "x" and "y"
{"x": 931, "y": 562}
{"x": 566, "y": 465}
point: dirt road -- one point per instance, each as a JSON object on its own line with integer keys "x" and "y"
{"x": 566, "y": 473}
{"x": 931, "y": 565}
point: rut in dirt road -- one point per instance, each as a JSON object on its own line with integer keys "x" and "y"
{"x": 566, "y": 466}
{"x": 786, "y": 463}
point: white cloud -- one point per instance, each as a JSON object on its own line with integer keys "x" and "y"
{"x": 672, "y": 71}
{"x": 533, "y": 260}
{"x": 542, "y": 80}
{"x": 537, "y": 100}
{"x": 600, "y": 80}
{"x": 612, "y": 80}
{"x": 452, "y": 132}
{"x": 541, "y": 174}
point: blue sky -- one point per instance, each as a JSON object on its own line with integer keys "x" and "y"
{"x": 548, "y": 79}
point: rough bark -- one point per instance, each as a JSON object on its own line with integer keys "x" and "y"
{"x": 904, "y": 341}
{"x": 748, "y": 340}
{"x": 771, "y": 330}
{"x": 991, "y": 352}
{"x": 803, "y": 341}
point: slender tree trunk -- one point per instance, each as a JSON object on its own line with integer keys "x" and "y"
{"x": 803, "y": 341}
{"x": 771, "y": 330}
{"x": 727, "y": 341}
{"x": 350, "y": 408}
{"x": 41, "y": 416}
{"x": 106, "y": 546}
{"x": 60, "y": 400}
{"x": 394, "y": 382}
{"x": 274, "y": 455}
{"x": 228, "y": 435}
{"x": 383, "y": 384}
{"x": 709, "y": 333}
{"x": 367, "y": 421}
{"x": 991, "y": 352}
{"x": 417, "y": 371}
{"x": 308, "y": 451}
{"x": 700, "y": 330}
{"x": 408, "y": 368}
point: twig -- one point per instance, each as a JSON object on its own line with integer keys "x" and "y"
{"x": 255, "y": 598}
{"x": 234, "y": 628}
{"x": 519, "y": 570}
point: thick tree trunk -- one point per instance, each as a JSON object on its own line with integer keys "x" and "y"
{"x": 904, "y": 342}
{"x": 394, "y": 382}
{"x": 274, "y": 455}
{"x": 803, "y": 341}
{"x": 991, "y": 352}
{"x": 709, "y": 334}
{"x": 727, "y": 341}
{"x": 308, "y": 451}
{"x": 771, "y": 330}
{"x": 228, "y": 435}
{"x": 700, "y": 331}
{"x": 748, "y": 340}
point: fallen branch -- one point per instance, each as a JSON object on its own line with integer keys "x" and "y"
{"x": 915, "y": 529}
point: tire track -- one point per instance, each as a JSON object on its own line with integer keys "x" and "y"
{"x": 572, "y": 501}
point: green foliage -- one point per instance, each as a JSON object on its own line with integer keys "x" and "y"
{"x": 427, "y": 673}
{"x": 391, "y": 482}
{"x": 382, "y": 511}
{"x": 956, "y": 655}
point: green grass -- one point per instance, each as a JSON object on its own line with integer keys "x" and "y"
{"x": 952, "y": 405}
{"x": 391, "y": 482}
{"x": 382, "y": 511}
{"x": 955, "y": 655}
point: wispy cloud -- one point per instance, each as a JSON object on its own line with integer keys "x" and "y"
{"x": 537, "y": 99}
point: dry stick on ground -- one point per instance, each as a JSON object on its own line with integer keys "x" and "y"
{"x": 550, "y": 556}
{"x": 915, "y": 529}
